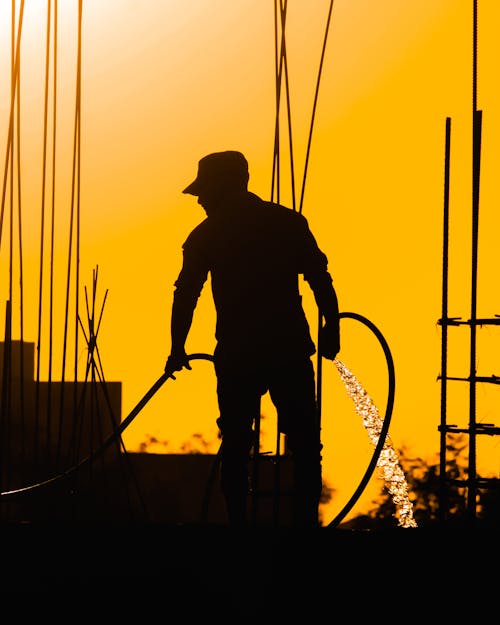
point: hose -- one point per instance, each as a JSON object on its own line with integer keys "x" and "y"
{"x": 10, "y": 494}
{"x": 386, "y": 422}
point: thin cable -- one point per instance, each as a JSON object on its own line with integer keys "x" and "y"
{"x": 320, "y": 70}
{"x": 275, "y": 162}
{"x": 13, "y": 86}
{"x": 6, "y": 398}
{"x": 52, "y": 219}
{"x": 21, "y": 272}
{"x": 78, "y": 193}
{"x": 474, "y": 55}
{"x": 11, "y": 117}
{"x": 275, "y": 178}
{"x": 476, "y": 170}
{"x": 72, "y": 229}
{"x": 444, "y": 320}
{"x": 289, "y": 116}
{"x": 42, "y": 229}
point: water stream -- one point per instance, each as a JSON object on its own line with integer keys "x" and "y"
{"x": 388, "y": 461}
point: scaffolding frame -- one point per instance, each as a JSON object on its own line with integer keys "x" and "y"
{"x": 473, "y": 483}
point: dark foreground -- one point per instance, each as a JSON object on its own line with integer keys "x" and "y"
{"x": 191, "y": 574}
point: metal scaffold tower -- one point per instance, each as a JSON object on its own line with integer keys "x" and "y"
{"x": 473, "y": 484}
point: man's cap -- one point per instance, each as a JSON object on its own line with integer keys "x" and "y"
{"x": 219, "y": 168}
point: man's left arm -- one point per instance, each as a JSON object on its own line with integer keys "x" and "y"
{"x": 320, "y": 280}
{"x": 326, "y": 298}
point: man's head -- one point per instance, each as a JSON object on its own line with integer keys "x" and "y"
{"x": 220, "y": 172}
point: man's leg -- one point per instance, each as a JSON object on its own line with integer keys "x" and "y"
{"x": 293, "y": 392}
{"x": 239, "y": 403}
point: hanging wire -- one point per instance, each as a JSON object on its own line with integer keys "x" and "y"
{"x": 275, "y": 176}
{"x": 78, "y": 180}
{"x": 42, "y": 228}
{"x": 11, "y": 115}
{"x": 21, "y": 272}
{"x": 476, "y": 170}
{"x": 316, "y": 94}
{"x": 52, "y": 220}
{"x": 444, "y": 318}
{"x": 74, "y": 233}
{"x": 6, "y": 393}
{"x": 281, "y": 64}
{"x": 8, "y": 180}
{"x": 474, "y": 55}
{"x": 289, "y": 112}
{"x": 13, "y": 86}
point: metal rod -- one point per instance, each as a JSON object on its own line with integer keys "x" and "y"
{"x": 316, "y": 94}
{"x": 444, "y": 315}
{"x": 476, "y": 169}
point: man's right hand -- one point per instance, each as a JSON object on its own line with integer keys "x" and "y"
{"x": 175, "y": 362}
{"x": 329, "y": 341}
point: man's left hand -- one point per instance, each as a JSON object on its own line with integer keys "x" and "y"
{"x": 175, "y": 362}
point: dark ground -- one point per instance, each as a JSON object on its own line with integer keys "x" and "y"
{"x": 194, "y": 574}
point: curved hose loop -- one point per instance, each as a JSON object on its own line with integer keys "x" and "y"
{"x": 386, "y": 422}
{"x": 10, "y": 494}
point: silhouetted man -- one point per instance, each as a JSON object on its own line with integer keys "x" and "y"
{"x": 255, "y": 251}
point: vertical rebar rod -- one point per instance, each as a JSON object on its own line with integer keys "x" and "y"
{"x": 73, "y": 238}
{"x": 277, "y": 82}
{"x": 5, "y": 398}
{"x": 13, "y": 86}
{"x": 443, "y": 500}
{"x": 7, "y": 375}
{"x": 78, "y": 198}
{"x": 476, "y": 167}
{"x": 313, "y": 116}
{"x": 11, "y": 115}
{"x": 289, "y": 111}
{"x": 279, "y": 58}
{"x": 477, "y": 127}
{"x": 22, "y": 403}
{"x": 42, "y": 232}
{"x": 52, "y": 223}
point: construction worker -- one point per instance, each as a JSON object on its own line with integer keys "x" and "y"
{"x": 255, "y": 252}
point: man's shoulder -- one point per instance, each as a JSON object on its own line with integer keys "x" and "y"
{"x": 280, "y": 211}
{"x": 288, "y": 219}
{"x": 197, "y": 234}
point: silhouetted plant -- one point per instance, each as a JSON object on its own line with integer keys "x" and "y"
{"x": 197, "y": 444}
{"x": 423, "y": 478}
{"x": 327, "y": 492}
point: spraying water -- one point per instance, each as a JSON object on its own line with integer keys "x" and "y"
{"x": 388, "y": 461}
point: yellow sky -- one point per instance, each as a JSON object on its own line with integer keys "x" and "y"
{"x": 164, "y": 83}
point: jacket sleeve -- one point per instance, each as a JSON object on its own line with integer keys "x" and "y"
{"x": 325, "y": 295}
{"x": 314, "y": 264}
{"x": 187, "y": 290}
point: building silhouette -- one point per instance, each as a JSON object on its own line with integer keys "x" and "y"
{"x": 61, "y": 460}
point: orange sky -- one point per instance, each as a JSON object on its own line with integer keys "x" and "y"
{"x": 165, "y": 83}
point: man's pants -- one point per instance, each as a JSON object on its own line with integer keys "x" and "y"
{"x": 291, "y": 386}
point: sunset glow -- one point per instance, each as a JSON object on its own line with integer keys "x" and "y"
{"x": 163, "y": 84}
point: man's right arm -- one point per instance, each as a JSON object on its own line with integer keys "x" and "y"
{"x": 179, "y": 329}
{"x": 188, "y": 287}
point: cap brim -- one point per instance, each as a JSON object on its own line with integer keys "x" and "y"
{"x": 193, "y": 188}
